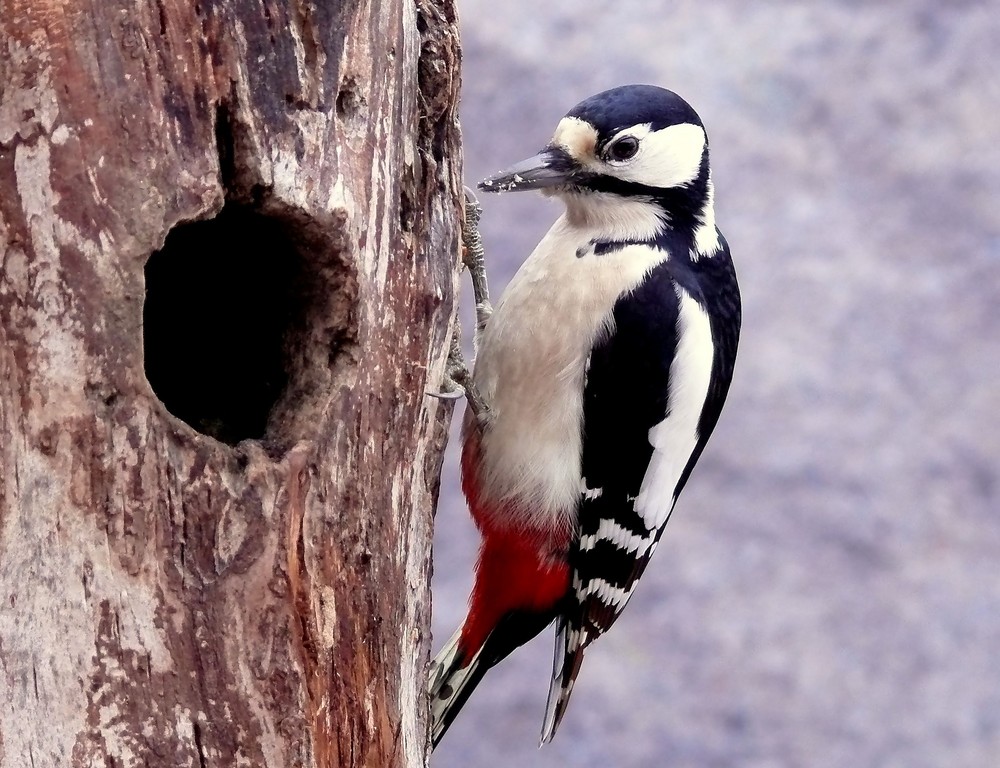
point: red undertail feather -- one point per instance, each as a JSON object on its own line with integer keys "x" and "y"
{"x": 518, "y": 569}
{"x": 521, "y": 578}
{"x": 510, "y": 575}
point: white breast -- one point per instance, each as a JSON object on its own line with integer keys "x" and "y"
{"x": 533, "y": 359}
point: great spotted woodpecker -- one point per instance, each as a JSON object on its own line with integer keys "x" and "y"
{"x": 598, "y": 380}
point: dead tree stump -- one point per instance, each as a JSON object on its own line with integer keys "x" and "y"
{"x": 228, "y": 246}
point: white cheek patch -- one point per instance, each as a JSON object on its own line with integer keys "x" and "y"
{"x": 669, "y": 157}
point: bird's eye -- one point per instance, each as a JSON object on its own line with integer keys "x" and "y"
{"x": 623, "y": 149}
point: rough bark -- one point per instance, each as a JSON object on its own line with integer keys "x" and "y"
{"x": 248, "y": 587}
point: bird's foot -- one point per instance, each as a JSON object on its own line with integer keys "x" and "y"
{"x": 458, "y": 380}
{"x": 474, "y": 259}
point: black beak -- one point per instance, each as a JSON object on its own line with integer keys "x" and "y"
{"x": 552, "y": 167}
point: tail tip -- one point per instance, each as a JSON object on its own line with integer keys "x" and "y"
{"x": 451, "y": 677}
{"x": 566, "y": 665}
{"x": 554, "y": 712}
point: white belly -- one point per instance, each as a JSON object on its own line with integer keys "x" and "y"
{"x": 531, "y": 369}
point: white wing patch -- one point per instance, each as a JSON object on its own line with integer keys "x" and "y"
{"x": 612, "y": 596}
{"x": 674, "y": 438}
{"x": 609, "y": 594}
{"x": 624, "y": 539}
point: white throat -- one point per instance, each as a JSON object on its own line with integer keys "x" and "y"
{"x": 614, "y": 217}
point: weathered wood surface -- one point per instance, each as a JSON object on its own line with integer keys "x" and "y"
{"x": 167, "y": 599}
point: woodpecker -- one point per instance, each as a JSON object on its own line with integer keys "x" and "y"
{"x": 600, "y": 376}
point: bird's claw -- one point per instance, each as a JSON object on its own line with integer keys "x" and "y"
{"x": 458, "y": 379}
{"x": 474, "y": 259}
{"x": 452, "y": 394}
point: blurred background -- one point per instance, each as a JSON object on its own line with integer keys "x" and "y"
{"x": 827, "y": 593}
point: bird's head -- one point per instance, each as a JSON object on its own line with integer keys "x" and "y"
{"x": 633, "y": 144}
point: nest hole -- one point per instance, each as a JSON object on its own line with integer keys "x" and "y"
{"x": 220, "y": 301}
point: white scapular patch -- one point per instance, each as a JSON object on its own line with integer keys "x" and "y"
{"x": 674, "y": 438}
{"x": 669, "y": 157}
{"x": 537, "y": 343}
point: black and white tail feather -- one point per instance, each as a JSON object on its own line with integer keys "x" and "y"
{"x": 453, "y": 677}
{"x": 596, "y": 604}
{"x": 451, "y": 682}
{"x": 563, "y": 677}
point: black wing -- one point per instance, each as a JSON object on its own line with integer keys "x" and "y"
{"x": 626, "y": 395}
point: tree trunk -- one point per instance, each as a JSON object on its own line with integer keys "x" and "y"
{"x": 228, "y": 238}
